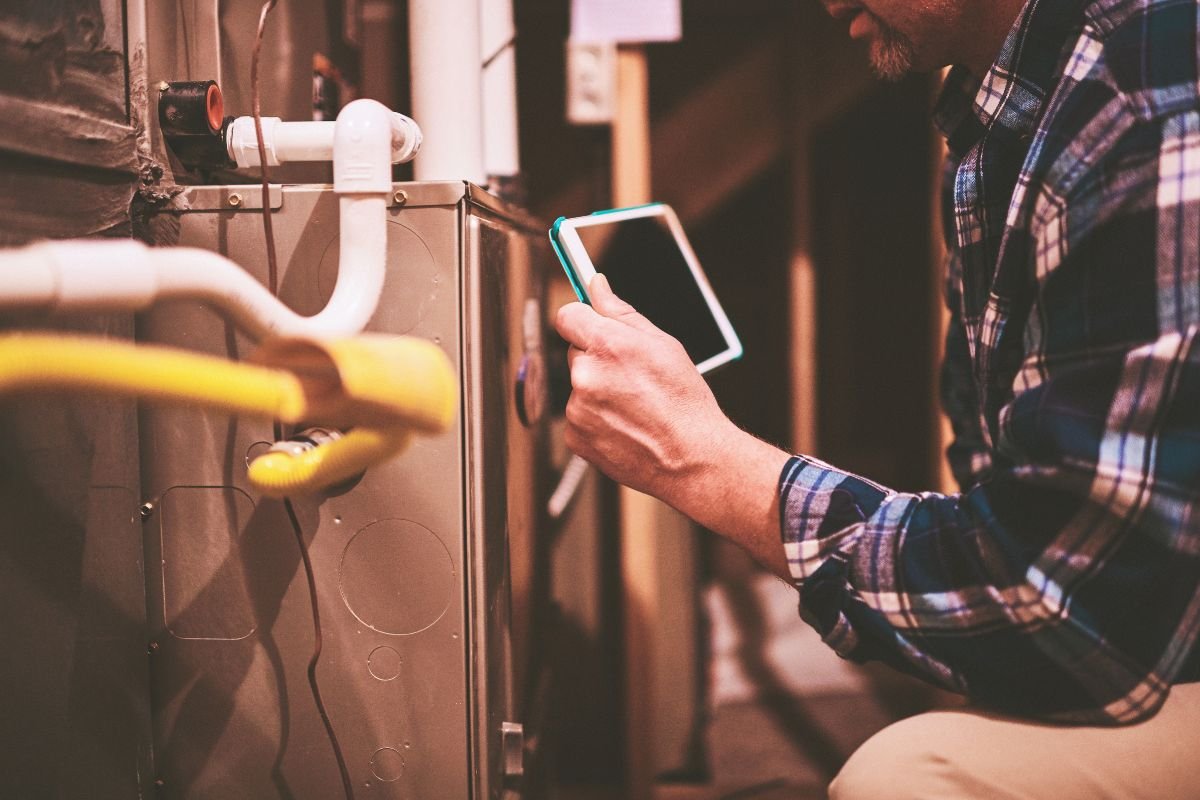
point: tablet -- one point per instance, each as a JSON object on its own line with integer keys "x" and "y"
{"x": 650, "y": 264}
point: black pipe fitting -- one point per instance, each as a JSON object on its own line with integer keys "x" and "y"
{"x": 192, "y": 117}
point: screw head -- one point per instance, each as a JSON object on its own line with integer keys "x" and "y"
{"x": 146, "y": 509}
{"x": 234, "y": 200}
{"x": 400, "y": 197}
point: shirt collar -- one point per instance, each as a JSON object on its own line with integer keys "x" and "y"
{"x": 1009, "y": 98}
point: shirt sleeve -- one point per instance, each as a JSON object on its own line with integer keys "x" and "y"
{"x": 1064, "y": 583}
{"x": 967, "y": 452}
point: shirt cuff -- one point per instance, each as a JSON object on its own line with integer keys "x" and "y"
{"x": 823, "y": 512}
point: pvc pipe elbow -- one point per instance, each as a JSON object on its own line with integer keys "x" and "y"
{"x": 362, "y": 149}
{"x": 406, "y": 138}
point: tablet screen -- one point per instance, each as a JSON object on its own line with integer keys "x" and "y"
{"x": 646, "y": 268}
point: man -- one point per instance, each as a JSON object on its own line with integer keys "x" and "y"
{"x": 1060, "y": 590}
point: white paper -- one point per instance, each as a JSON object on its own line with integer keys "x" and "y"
{"x": 591, "y": 82}
{"x": 627, "y": 21}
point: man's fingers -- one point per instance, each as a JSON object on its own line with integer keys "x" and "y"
{"x": 586, "y": 326}
{"x": 608, "y": 304}
{"x": 579, "y": 324}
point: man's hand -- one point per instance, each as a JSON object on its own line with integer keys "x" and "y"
{"x": 642, "y": 413}
{"x": 639, "y": 410}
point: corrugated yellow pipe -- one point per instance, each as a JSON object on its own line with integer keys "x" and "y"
{"x": 280, "y": 474}
{"x": 388, "y": 386}
{"x": 39, "y": 362}
{"x": 371, "y": 379}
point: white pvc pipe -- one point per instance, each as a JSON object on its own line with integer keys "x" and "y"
{"x": 25, "y": 282}
{"x": 444, "y": 41}
{"x": 192, "y": 273}
{"x": 92, "y": 275}
{"x": 104, "y": 275}
{"x": 308, "y": 141}
{"x": 499, "y": 64}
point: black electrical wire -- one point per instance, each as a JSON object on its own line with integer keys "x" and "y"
{"x": 273, "y": 282}
{"x": 272, "y": 271}
{"x": 316, "y": 655}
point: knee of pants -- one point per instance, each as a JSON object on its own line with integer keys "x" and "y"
{"x": 907, "y": 760}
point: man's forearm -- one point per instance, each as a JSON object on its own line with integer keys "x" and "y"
{"x": 733, "y": 489}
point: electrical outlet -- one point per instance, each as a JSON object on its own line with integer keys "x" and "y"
{"x": 591, "y": 82}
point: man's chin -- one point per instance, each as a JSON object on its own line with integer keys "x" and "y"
{"x": 891, "y": 60}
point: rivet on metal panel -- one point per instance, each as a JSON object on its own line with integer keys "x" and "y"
{"x": 235, "y": 200}
{"x": 146, "y": 509}
{"x": 400, "y": 198}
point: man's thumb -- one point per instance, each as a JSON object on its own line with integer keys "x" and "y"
{"x": 609, "y": 305}
{"x": 605, "y": 301}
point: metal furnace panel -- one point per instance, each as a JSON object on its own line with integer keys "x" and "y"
{"x": 503, "y": 320}
{"x": 412, "y": 563}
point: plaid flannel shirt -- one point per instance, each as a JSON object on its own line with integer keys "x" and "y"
{"x": 1064, "y": 580}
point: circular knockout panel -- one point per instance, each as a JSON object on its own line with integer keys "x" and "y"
{"x": 396, "y": 577}
{"x": 411, "y": 267}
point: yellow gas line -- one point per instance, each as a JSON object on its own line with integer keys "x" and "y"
{"x": 384, "y": 387}
{"x": 281, "y": 473}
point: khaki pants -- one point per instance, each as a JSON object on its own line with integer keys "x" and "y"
{"x": 971, "y": 754}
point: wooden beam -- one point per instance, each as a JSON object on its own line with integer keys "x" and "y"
{"x": 631, "y": 128}
{"x": 657, "y": 543}
{"x": 639, "y": 563}
{"x": 803, "y": 89}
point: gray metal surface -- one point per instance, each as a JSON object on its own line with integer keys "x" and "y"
{"x": 73, "y": 666}
{"x": 412, "y": 564}
{"x": 502, "y": 498}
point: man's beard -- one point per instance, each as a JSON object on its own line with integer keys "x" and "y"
{"x": 891, "y": 52}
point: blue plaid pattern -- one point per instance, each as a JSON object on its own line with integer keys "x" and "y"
{"x": 1063, "y": 581}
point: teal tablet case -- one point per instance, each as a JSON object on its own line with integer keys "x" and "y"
{"x": 576, "y": 284}
{"x": 562, "y": 257}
